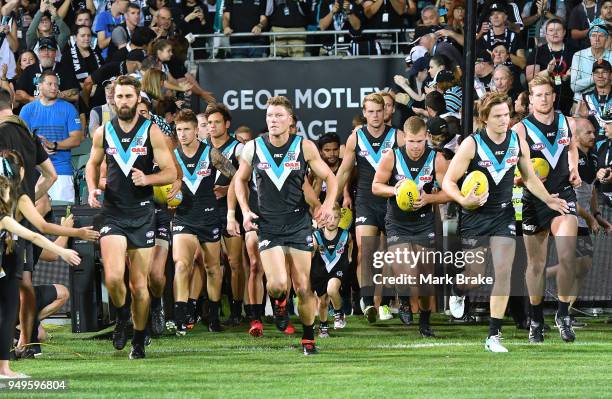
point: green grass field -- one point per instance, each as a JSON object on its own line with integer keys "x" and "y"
{"x": 384, "y": 360}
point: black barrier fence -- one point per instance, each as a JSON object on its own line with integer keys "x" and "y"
{"x": 326, "y": 93}
{"x": 411, "y": 266}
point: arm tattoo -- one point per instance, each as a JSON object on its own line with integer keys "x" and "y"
{"x": 221, "y": 163}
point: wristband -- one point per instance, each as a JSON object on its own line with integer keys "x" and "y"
{"x": 55, "y": 146}
{"x": 596, "y": 214}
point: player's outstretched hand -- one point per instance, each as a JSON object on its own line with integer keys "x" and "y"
{"x": 71, "y": 257}
{"x": 93, "y": 198}
{"x": 249, "y": 221}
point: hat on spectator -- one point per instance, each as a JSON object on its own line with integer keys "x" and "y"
{"x": 602, "y": 64}
{"x": 419, "y": 65}
{"x": 421, "y": 31}
{"x": 598, "y": 25}
{"x": 483, "y": 56}
{"x": 443, "y": 76}
{"x": 136, "y": 55}
{"x": 498, "y": 6}
{"x": 437, "y": 126}
{"x": 415, "y": 53}
{"x": 47, "y": 42}
{"x": 109, "y": 81}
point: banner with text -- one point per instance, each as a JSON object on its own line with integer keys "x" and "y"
{"x": 326, "y": 93}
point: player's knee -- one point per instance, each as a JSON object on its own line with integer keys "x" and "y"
{"x": 180, "y": 268}
{"x": 277, "y": 288}
{"x": 114, "y": 282}
{"x": 303, "y": 291}
{"x": 213, "y": 270}
{"x": 254, "y": 267}
{"x": 140, "y": 292}
{"x": 62, "y": 293}
{"x": 333, "y": 286}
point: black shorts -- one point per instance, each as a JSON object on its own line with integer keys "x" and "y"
{"x": 162, "y": 224}
{"x": 537, "y": 216}
{"x": 475, "y": 228}
{"x": 297, "y": 235}
{"x": 319, "y": 276}
{"x": 204, "y": 233}
{"x": 28, "y": 259}
{"x": 419, "y": 231}
{"x": 45, "y": 295}
{"x": 584, "y": 243}
{"x": 370, "y": 213}
{"x": 138, "y": 230}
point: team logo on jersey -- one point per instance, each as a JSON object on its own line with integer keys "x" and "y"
{"x": 339, "y": 273}
{"x": 263, "y": 166}
{"x": 291, "y": 156}
{"x": 424, "y": 174}
{"x": 193, "y": 179}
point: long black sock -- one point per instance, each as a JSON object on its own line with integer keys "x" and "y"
{"x": 180, "y": 312}
{"x": 424, "y": 318}
{"x": 404, "y": 300}
{"x": 123, "y": 313}
{"x": 261, "y": 311}
{"x": 236, "y": 308}
{"x": 249, "y": 311}
{"x": 155, "y": 302}
{"x": 537, "y": 313}
{"x": 191, "y": 307}
{"x": 139, "y": 337}
{"x": 386, "y": 300}
{"x": 563, "y": 309}
{"x": 214, "y": 311}
{"x": 308, "y": 332}
{"x": 495, "y": 326}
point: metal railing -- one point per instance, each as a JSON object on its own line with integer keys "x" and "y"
{"x": 398, "y": 37}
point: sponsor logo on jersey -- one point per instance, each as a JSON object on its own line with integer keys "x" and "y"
{"x": 111, "y": 151}
{"x": 145, "y": 203}
{"x": 215, "y": 230}
{"x": 512, "y": 160}
{"x": 278, "y": 155}
{"x": 293, "y": 165}
{"x": 431, "y": 235}
{"x": 485, "y": 163}
{"x": 361, "y": 219}
{"x": 392, "y": 239}
{"x": 150, "y": 234}
{"x": 203, "y": 172}
{"x": 150, "y": 241}
{"x": 385, "y": 150}
{"x": 340, "y": 251}
{"x": 178, "y": 228}
{"x": 414, "y": 169}
{"x": 263, "y": 166}
{"x": 499, "y": 152}
{"x": 537, "y": 146}
{"x": 400, "y": 177}
{"x": 126, "y": 139}
{"x": 209, "y": 209}
{"x": 563, "y": 141}
{"x": 529, "y": 227}
{"x": 426, "y": 179}
{"x": 364, "y": 153}
{"x": 512, "y": 227}
{"x": 139, "y": 150}
{"x": 105, "y": 230}
{"x": 263, "y": 244}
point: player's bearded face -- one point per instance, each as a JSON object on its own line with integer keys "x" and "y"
{"x": 126, "y": 113}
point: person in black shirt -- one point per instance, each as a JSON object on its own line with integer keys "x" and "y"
{"x": 108, "y": 71}
{"x": 26, "y": 87}
{"x": 496, "y": 30}
{"x": 555, "y": 57}
{"x": 341, "y": 15}
{"x": 288, "y": 16}
{"x": 140, "y": 39}
{"x": 241, "y": 16}
{"x": 383, "y": 14}
{"x": 597, "y": 104}
{"x": 79, "y": 54}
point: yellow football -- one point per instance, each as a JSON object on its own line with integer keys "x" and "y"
{"x": 346, "y": 218}
{"x": 540, "y": 167}
{"x": 407, "y": 195}
{"x": 160, "y": 196}
{"x": 475, "y": 178}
